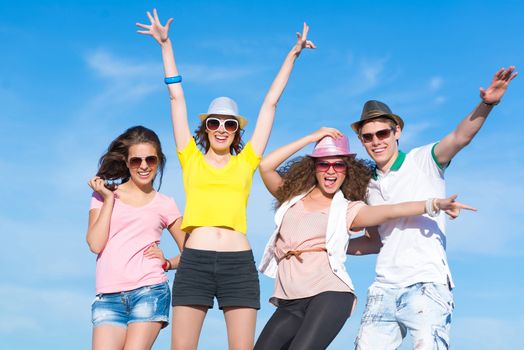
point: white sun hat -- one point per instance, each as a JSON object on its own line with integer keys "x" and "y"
{"x": 224, "y": 106}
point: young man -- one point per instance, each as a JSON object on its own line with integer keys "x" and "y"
{"x": 412, "y": 288}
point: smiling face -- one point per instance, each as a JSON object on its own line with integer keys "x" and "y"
{"x": 379, "y": 138}
{"x": 330, "y": 173}
{"x": 221, "y": 131}
{"x": 142, "y": 161}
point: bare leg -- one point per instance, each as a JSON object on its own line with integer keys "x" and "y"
{"x": 109, "y": 337}
{"x": 240, "y": 322}
{"x": 186, "y": 326}
{"x": 142, "y": 335}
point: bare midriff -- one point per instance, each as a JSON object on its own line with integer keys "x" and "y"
{"x": 220, "y": 239}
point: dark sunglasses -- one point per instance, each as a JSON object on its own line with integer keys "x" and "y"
{"x": 381, "y": 135}
{"x": 230, "y": 125}
{"x": 324, "y": 165}
{"x": 136, "y": 162}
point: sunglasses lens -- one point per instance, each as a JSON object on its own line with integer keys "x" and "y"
{"x": 135, "y": 162}
{"x": 383, "y": 134}
{"x": 151, "y": 161}
{"x": 322, "y": 166}
{"x": 339, "y": 167}
{"x": 367, "y": 137}
{"x": 212, "y": 124}
{"x": 231, "y": 125}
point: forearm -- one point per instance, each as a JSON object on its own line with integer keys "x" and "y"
{"x": 176, "y": 96}
{"x": 273, "y": 160}
{"x": 98, "y": 231}
{"x": 378, "y": 214}
{"x": 282, "y": 78}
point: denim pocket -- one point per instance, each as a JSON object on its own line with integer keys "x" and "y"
{"x": 440, "y": 295}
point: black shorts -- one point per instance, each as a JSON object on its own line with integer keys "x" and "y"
{"x": 231, "y": 277}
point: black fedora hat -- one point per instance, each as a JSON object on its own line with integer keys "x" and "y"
{"x": 376, "y": 109}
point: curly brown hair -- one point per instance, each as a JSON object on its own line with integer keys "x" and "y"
{"x": 298, "y": 176}
{"x": 202, "y": 138}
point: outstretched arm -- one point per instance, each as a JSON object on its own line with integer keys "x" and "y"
{"x": 270, "y": 163}
{"x": 459, "y": 138}
{"x": 269, "y": 106}
{"x": 176, "y": 93}
{"x": 374, "y": 215}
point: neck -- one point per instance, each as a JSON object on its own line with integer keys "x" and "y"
{"x": 318, "y": 195}
{"x": 386, "y": 166}
{"x": 134, "y": 187}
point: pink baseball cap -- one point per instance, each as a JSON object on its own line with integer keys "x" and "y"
{"x": 329, "y": 146}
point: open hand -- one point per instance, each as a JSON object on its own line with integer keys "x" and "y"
{"x": 498, "y": 86}
{"x": 452, "y": 207}
{"x": 155, "y": 29}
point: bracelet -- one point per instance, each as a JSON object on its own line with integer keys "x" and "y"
{"x": 166, "y": 265}
{"x": 173, "y": 80}
{"x": 430, "y": 209}
{"x": 490, "y": 104}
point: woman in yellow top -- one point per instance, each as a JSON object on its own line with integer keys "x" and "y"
{"x": 217, "y": 260}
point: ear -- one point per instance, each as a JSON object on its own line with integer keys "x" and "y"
{"x": 398, "y": 132}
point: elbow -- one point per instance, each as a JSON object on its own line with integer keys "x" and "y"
{"x": 94, "y": 247}
{"x": 264, "y": 166}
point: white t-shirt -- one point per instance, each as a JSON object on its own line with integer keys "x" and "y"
{"x": 414, "y": 248}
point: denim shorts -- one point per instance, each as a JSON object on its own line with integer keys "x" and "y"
{"x": 423, "y": 310}
{"x": 144, "y": 304}
{"x": 231, "y": 277}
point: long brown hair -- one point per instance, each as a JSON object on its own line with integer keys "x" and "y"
{"x": 112, "y": 164}
{"x": 202, "y": 138}
{"x": 298, "y": 176}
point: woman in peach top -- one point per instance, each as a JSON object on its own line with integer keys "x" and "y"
{"x": 319, "y": 199}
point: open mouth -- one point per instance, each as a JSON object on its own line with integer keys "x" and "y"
{"x": 221, "y": 138}
{"x": 329, "y": 181}
{"x": 144, "y": 174}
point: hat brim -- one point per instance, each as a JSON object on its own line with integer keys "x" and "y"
{"x": 242, "y": 122}
{"x": 323, "y": 154}
{"x": 357, "y": 125}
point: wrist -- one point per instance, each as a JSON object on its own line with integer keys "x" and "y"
{"x": 166, "y": 43}
{"x": 432, "y": 207}
{"x": 490, "y": 104}
{"x": 166, "y": 266}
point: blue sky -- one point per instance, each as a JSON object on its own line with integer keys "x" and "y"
{"x": 74, "y": 75}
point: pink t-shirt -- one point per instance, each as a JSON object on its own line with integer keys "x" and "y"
{"x": 122, "y": 265}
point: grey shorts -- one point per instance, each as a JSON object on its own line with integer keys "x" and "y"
{"x": 231, "y": 277}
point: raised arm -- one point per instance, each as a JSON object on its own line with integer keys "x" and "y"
{"x": 378, "y": 214}
{"x": 270, "y": 163}
{"x": 269, "y": 106}
{"x": 459, "y": 138}
{"x": 176, "y": 93}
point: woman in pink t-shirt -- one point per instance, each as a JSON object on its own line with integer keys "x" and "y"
{"x": 320, "y": 200}
{"x": 125, "y": 225}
